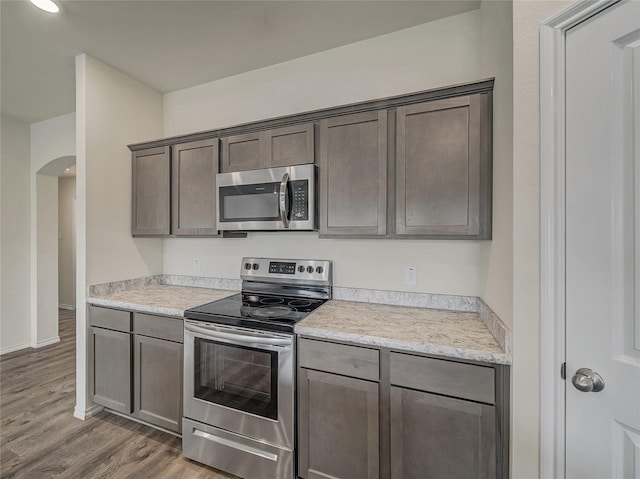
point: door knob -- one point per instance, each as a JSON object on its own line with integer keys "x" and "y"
{"x": 587, "y": 381}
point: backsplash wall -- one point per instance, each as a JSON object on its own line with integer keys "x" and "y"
{"x": 443, "y": 267}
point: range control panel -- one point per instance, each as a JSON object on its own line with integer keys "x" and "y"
{"x": 266, "y": 269}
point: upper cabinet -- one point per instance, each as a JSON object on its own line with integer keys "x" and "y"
{"x": 415, "y": 166}
{"x": 443, "y": 168}
{"x": 291, "y": 145}
{"x": 195, "y": 165}
{"x": 242, "y": 152}
{"x": 151, "y": 199}
{"x": 174, "y": 190}
{"x": 353, "y": 174}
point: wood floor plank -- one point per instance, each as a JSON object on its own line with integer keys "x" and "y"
{"x": 40, "y": 438}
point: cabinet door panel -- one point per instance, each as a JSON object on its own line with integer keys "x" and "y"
{"x": 339, "y": 427}
{"x": 195, "y": 166}
{"x": 151, "y": 200}
{"x": 440, "y": 437}
{"x": 158, "y": 382}
{"x": 291, "y": 145}
{"x": 111, "y": 378}
{"x": 353, "y": 174}
{"x": 438, "y": 169}
{"x": 243, "y": 152}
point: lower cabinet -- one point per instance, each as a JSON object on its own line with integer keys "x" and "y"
{"x": 339, "y": 426}
{"x": 441, "y": 437}
{"x": 111, "y": 369}
{"x": 136, "y": 365}
{"x": 375, "y": 413}
{"x": 157, "y": 377}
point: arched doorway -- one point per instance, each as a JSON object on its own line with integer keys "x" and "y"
{"x": 46, "y": 249}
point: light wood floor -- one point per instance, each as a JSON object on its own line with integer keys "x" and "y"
{"x": 40, "y": 438}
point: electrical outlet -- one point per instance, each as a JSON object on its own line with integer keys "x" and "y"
{"x": 196, "y": 265}
{"x": 410, "y": 275}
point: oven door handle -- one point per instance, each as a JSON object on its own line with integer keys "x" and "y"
{"x": 284, "y": 214}
{"x": 237, "y": 338}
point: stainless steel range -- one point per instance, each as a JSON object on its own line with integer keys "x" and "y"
{"x": 239, "y": 368}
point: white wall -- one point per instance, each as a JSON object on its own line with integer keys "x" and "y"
{"x": 432, "y": 55}
{"x": 525, "y": 374}
{"x": 496, "y": 59}
{"x": 66, "y": 242}
{"x": 113, "y": 110}
{"x": 15, "y": 329}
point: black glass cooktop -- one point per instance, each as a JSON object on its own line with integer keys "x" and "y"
{"x": 258, "y": 311}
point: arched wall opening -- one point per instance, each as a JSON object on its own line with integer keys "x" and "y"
{"x": 45, "y": 251}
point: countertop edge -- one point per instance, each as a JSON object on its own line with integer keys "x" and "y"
{"x": 136, "y": 307}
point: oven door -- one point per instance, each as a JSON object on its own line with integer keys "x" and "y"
{"x": 267, "y": 199}
{"x": 240, "y": 380}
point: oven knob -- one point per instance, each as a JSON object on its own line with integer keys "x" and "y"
{"x": 256, "y": 266}
{"x": 301, "y": 269}
{"x": 309, "y": 269}
{"x": 247, "y": 266}
{"x": 319, "y": 269}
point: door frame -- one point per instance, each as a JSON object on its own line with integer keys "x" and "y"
{"x": 552, "y": 230}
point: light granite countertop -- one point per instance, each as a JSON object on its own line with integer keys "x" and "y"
{"x": 162, "y": 299}
{"x": 457, "y": 332}
{"x": 453, "y": 334}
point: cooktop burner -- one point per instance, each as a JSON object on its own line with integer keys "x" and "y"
{"x": 276, "y": 294}
{"x": 279, "y": 313}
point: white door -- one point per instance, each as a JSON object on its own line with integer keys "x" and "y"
{"x": 603, "y": 243}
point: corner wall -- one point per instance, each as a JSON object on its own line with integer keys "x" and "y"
{"x": 525, "y": 373}
{"x": 15, "y": 231}
{"x": 113, "y": 110}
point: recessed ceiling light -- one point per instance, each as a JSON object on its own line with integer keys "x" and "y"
{"x": 46, "y": 5}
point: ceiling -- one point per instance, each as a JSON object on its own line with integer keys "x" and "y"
{"x": 170, "y": 45}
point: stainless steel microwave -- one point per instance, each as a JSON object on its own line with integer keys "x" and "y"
{"x": 268, "y": 199}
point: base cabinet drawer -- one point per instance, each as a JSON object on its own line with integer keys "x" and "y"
{"x": 233, "y": 453}
{"x": 441, "y": 437}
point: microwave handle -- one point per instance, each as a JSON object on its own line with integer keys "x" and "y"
{"x": 284, "y": 214}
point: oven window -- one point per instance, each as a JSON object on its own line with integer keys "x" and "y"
{"x": 238, "y": 377}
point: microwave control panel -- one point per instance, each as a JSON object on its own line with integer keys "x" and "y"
{"x": 299, "y": 200}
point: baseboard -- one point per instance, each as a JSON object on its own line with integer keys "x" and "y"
{"x": 70, "y": 307}
{"x": 46, "y": 342}
{"x": 12, "y": 349}
{"x": 81, "y": 414}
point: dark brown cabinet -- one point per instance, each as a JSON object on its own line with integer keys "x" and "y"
{"x": 174, "y": 190}
{"x": 286, "y": 146}
{"x": 338, "y": 416}
{"x": 136, "y": 365}
{"x": 364, "y": 412}
{"x": 353, "y": 174}
{"x": 151, "y": 197}
{"x": 194, "y": 169}
{"x": 443, "y": 419}
{"x": 158, "y": 381}
{"x": 338, "y": 426}
{"x": 441, "y": 437}
{"x": 443, "y": 168}
{"x": 111, "y": 361}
